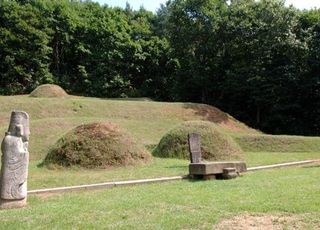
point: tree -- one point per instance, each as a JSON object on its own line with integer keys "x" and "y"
{"x": 24, "y": 49}
{"x": 194, "y": 29}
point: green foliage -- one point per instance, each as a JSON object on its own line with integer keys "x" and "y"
{"x": 265, "y": 71}
{"x": 215, "y": 145}
{"x": 194, "y": 29}
{"x": 257, "y": 60}
{"x": 24, "y": 48}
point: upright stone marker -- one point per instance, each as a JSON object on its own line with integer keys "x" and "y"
{"x": 194, "y": 147}
{"x": 15, "y": 160}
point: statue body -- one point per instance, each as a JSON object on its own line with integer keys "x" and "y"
{"x": 15, "y": 160}
{"x": 15, "y": 168}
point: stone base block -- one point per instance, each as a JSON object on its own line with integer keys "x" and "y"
{"x": 229, "y": 173}
{"x": 7, "y": 204}
{"x": 216, "y": 170}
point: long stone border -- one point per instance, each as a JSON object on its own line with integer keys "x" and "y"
{"x": 109, "y": 185}
{"x": 106, "y": 185}
{"x": 297, "y": 163}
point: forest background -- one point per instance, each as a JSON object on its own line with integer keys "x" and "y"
{"x": 257, "y": 60}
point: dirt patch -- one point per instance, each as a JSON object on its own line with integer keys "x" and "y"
{"x": 262, "y": 222}
{"x": 213, "y": 114}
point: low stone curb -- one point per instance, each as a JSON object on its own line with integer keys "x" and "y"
{"x": 108, "y": 185}
{"x": 297, "y": 163}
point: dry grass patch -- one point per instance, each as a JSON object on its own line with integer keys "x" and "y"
{"x": 97, "y": 145}
{"x": 48, "y": 90}
{"x": 263, "y": 222}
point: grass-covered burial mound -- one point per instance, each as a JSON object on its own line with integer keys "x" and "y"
{"x": 97, "y": 145}
{"x": 215, "y": 145}
{"x": 48, "y": 90}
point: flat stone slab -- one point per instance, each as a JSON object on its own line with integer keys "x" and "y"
{"x": 212, "y": 168}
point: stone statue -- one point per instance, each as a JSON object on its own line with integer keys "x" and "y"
{"x": 15, "y": 160}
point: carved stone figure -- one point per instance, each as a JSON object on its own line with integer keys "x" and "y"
{"x": 15, "y": 160}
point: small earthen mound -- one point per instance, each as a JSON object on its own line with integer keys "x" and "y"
{"x": 48, "y": 90}
{"x": 215, "y": 145}
{"x": 97, "y": 145}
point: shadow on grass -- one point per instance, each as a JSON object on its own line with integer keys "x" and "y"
{"x": 128, "y": 99}
{"x": 198, "y": 180}
{"x": 312, "y": 166}
{"x": 40, "y": 165}
{"x": 150, "y": 147}
{"x": 177, "y": 166}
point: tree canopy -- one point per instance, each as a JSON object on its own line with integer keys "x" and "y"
{"x": 257, "y": 60}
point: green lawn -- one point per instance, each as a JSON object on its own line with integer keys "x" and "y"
{"x": 48, "y": 178}
{"x": 173, "y": 205}
{"x": 277, "y": 143}
{"x": 267, "y": 158}
{"x": 176, "y": 205}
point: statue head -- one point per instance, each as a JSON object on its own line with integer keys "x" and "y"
{"x": 19, "y": 125}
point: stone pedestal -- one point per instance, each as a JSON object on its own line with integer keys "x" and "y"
{"x": 7, "y": 204}
{"x": 217, "y": 170}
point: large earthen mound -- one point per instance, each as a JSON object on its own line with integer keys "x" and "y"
{"x": 215, "y": 145}
{"x": 97, "y": 145}
{"x": 48, "y": 90}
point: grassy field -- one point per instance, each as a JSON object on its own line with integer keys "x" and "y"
{"x": 147, "y": 122}
{"x": 277, "y": 143}
{"x": 58, "y": 177}
{"x": 293, "y": 194}
{"x": 289, "y": 196}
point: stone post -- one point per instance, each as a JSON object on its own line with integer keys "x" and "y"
{"x": 15, "y": 160}
{"x": 194, "y": 147}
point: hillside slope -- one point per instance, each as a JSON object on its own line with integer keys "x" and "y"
{"x": 147, "y": 121}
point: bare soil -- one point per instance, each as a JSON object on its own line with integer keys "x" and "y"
{"x": 263, "y": 222}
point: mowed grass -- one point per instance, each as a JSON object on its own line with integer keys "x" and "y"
{"x": 58, "y": 177}
{"x": 176, "y": 205}
{"x": 160, "y": 167}
{"x": 277, "y": 143}
{"x": 268, "y": 158}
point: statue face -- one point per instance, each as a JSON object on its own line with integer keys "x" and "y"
{"x": 19, "y": 125}
{"x": 19, "y": 130}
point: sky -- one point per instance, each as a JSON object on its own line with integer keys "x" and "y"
{"x": 153, "y": 5}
